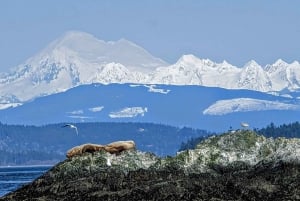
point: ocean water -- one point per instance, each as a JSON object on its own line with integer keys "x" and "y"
{"x": 12, "y": 178}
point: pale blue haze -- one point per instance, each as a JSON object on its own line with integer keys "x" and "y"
{"x": 232, "y": 30}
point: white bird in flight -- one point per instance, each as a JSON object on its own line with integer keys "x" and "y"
{"x": 71, "y": 126}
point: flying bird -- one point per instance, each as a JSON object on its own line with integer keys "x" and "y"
{"x": 71, "y": 126}
{"x": 141, "y": 129}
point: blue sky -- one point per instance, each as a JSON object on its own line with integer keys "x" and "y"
{"x": 231, "y": 30}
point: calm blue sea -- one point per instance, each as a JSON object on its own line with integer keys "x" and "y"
{"x": 12, "y": 178}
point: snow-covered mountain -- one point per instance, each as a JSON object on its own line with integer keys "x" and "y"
{"x": 79, "y": 58}
{"x": 190, "y": 70}
{"x": 284, "y": 75}
{"x": 74, "y": 59}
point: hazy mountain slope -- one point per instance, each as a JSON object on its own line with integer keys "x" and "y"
{"x": 214, "y": 109}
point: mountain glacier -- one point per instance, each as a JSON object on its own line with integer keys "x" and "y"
{"x": 79, "y": 58}
{"x": 222, "y": 107}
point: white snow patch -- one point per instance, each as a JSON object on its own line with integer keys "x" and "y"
{"x": 129, "y": 112}
{"x": 135, "y": 85}
{"x": 156, "y": 90}
{"x": 76, "y": 112}
{"x": 222, "y": 107}
{"x": 152, "y": 88}
{"x": 287, "y": 96}
{"x": 79, "y": 117}
{"x": 96, "y": 109}
{"x": 8, "y": 105}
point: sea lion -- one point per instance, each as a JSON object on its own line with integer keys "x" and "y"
{"x": 119, "y": 146}
{"x": 113, "y": 148}
{"x": 79, "y": 150}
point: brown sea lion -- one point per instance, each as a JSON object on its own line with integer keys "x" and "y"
{"x": 78, "y": 150}
{"x": 119, "y": 146}
{"x": 113, "y": 148}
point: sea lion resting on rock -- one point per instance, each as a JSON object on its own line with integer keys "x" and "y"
{"x": 113, "y": 148}
{"x": 78, "y": 150}
{"x": 119, "y": 146}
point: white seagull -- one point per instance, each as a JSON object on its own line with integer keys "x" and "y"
{"x": 71, "y": 126}
{"x": 244, "y": 124}
{"x": 108, "y": 163}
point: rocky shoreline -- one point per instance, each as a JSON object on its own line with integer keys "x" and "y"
{"x": 135, "y": 175}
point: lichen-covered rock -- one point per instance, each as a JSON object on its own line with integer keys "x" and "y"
{"x": 243, "y": 146}
{"x": 239, "y": 166}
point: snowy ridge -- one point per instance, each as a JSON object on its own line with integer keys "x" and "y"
{"x": 79, "y": 58}
{"x": 190, "y": 70}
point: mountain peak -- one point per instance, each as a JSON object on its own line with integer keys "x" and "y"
{"x": 279, "y": 65}
{"x": 295, "y": 63}
{"x": 75, "y": 40}
{"x": 190, "y": 59}
{"x": 225, "y": 63}
{"x": 254, "y": 77}
{"x": 76, "y": 35}
{"x": 280, "y": 62}
{"x": 252, "y": 63}
{"x": 76, "y": 45}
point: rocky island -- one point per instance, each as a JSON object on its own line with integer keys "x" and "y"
{"x": 232, "y": 166}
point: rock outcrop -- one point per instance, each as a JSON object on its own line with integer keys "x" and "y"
{"x": 233, "y": 166}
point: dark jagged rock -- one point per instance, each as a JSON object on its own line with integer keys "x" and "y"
{"x": 139, "y": 176}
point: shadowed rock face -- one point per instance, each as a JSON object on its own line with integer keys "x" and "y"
{"x": 135, "y": 175}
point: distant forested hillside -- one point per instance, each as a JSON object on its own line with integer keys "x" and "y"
{"x": 291, "y": 130}
{"x": 21, "y": 144}
{"x": 48, "y": 144}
